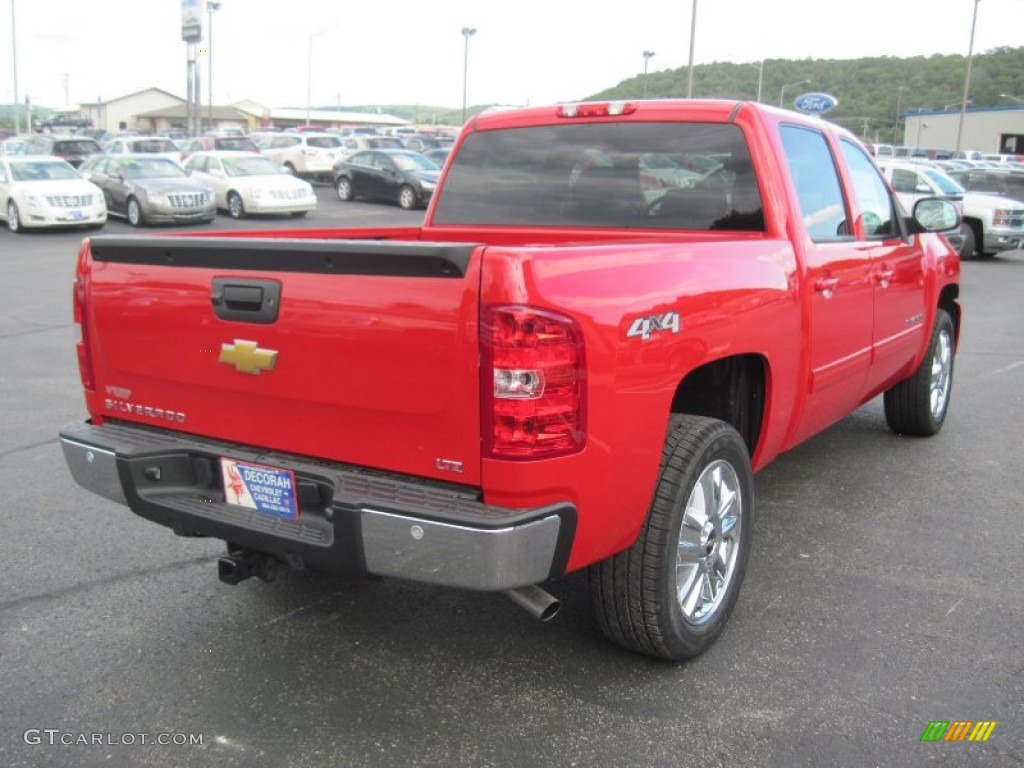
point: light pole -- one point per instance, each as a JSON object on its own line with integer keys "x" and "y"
{"x": 1011, "y": 98}
{"x": 467, "y": 32}
{"x": 899, "y": 100}
{"x": 967, "y": 77}
{"x": 309, "y": 67}
{"x": 212, "y": 6}
{"x": 693, "y": 38}
{"x": 647, "y": 58}
{"x": 947, "y": 106}
{"x": 760, "y": 76}
{"x": 14, "y": 56}
{"x": 782, "y": 93}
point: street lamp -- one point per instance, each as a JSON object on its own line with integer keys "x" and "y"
{"x": 899, "y": 100}
{"x": 693, "y": 38}
{"x": 14, "y": 55}
{"x": 212, "y": 6}
{"x": 647, "y": 58}
{"x": 760, "y": 76}
{"x": 782, "y": 93}
{"x": 1011, "y": 98}
{"x": 309, "y": 71}
{"x": 467, "y": 32}
{"x": 967, "y": 77}
{"x": 947, "y": 106}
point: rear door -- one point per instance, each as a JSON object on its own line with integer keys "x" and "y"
{"x": 897, "y": 270}
{"x": 363, "y": 352}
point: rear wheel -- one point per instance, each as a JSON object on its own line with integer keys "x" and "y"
{"x": 343, "y": 186}
{"x": 918, "y": 405}
{"x": 671, "y": 593}
{"x": 134, "y": 213}
{"x": 299, "y": 214}
{"x": 236, "y": 209}
{"x": 13, "y": 218}
{"x": 290, "y": 168}
{"x": 407, "y": 198}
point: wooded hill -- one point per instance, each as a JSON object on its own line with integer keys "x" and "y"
{"x": 871, "y": 91}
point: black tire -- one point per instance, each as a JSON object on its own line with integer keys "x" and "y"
{"x": 299, "y": 214}
{"x": 134, "y": 213}
{"x": 290, "y": 169}
{"x": 979, "y": 239}
{"x": 918, "y": 405}
{"x": 635, "y": 594}
{"x": 236, "y": 208}
{"x": 967, "y": 249}
{"x": 407, "y": 199}
{"x": 14, "y": 218}
{"x": 343, "y": 186}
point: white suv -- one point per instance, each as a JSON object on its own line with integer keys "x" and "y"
{"x": 306, "y": 155}
{"x": 990, "y": 222}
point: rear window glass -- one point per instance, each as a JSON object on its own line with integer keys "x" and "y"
{"x": 605, "y": 175}
{"x": 76, "y": 147}
{"x": 323, "y": 142}
{"x": 1007, "y": 185}
{"x": 235, "y": 144}
{"x": 153, "y": 145}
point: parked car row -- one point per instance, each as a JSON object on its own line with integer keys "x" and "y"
{"x": 148, "y": 180}
{"x": 991, "y": 222}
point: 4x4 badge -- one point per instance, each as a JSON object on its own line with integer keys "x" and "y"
{"x": 643, "y": 327}
{"x": 247, "y": 357}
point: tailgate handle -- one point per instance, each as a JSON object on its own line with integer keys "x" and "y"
{"x": 247, "y": 301}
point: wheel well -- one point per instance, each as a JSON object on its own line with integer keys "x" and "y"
{"x": 731, "y": 389}
{"x": 948, "y": 301}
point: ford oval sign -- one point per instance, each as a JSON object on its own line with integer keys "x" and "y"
{"x": 815, "y": 103}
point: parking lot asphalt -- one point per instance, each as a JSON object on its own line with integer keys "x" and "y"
{"x": 883, "y": 593}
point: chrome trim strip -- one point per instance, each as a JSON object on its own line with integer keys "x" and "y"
{"x": 458, "y": 556}
{"x": 95, "y": 469}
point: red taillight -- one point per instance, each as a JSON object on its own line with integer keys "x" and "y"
{"x": 82, "y": 342}
{"x": 532, "y": 379}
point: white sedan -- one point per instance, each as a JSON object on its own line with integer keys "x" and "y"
{"x": 45, "y": 191}
{"x": 247, "y": 182}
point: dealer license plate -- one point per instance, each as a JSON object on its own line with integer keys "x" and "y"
{"x": 76, "y": 215}
{"x": 265, "y": 489}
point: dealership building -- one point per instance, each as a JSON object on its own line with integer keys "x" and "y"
{"x": 986, "y": 129}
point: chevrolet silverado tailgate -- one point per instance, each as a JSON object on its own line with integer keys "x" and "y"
{"x": 357, "y": 351}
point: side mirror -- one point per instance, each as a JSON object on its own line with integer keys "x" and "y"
{"x": 933, "y": 214}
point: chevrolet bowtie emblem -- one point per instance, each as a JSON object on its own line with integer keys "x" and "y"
{"x": 247, "y": 357}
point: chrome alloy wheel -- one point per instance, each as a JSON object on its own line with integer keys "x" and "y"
{"x": 942, "y": 373}
{"x": 709, "y": 538}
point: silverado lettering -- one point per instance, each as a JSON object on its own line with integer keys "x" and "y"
{"x": 534, "y": 328}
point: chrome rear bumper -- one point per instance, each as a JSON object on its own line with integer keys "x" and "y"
{"x": 351, "y": 519}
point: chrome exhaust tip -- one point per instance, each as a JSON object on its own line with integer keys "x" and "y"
{"x": 535, "y": 601}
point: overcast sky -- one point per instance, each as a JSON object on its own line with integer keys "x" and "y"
{"x": 401, "y": 52}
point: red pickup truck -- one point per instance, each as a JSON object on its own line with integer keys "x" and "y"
{"x": 612, "y": 315}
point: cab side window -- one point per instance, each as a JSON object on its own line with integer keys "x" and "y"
{"x": 817, "y": 183}
{"x": 906, "y": 181}
{"x": 874, "y": 203}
